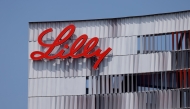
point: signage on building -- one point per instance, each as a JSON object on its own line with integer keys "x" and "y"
{"x": 87, "y": 52}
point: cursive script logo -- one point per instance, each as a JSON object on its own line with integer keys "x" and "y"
{"x": 87, "y": 52}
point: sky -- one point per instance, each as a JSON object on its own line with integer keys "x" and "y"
{"x": 14, "y": 18}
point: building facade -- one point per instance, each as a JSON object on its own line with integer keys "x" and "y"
{"x": 147, "y": 68}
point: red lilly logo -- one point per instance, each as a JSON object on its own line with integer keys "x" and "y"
{"x": 87, "y": 52}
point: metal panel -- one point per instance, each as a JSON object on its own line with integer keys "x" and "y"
{"x": 50, "y": 82}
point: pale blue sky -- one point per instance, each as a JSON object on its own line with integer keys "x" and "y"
{"x": 14, "y": 18}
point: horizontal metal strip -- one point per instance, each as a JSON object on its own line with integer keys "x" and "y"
{"x": 117, "y": 27}
{"x": 162, "y": 99}
{"x": 110, "y": 65}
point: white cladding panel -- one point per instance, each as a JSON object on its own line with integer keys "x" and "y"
{"x": 57, "y": 86}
